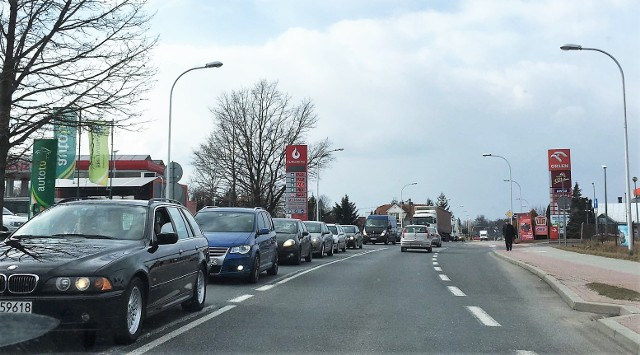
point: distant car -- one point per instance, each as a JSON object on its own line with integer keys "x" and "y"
{"x": 416, "y": 236}
{"x": 353, "y": 236}
{"x": 380, "y": 228}
{"x": 436, "y": 239}
{"x": 321, "y": 238}
{"x": 242, "y": 241}
{"x": 11, "y": 221}
{"x": 104, "y": 264}
{"x": 294, "y": 241}
{"x": 339, "y": 238}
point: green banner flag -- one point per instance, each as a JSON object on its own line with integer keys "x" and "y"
{"x": 65, "y": 130}
{"x": 99, "y": 154}
{"x": 43, "y": 173}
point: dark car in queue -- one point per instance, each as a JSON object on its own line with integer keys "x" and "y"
{"x": 242, "y": 241}
{"x": 103, "y": 264}
{"x": 353, "y": 236}
{"x": 294, "y": 241}
{"x": 321, "y": 238}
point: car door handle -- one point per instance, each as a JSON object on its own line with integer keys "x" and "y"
{"x": 180, "y": 251}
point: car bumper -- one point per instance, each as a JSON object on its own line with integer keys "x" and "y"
{"x": 415, "y": 244}
{"x": 289, "y": 253}
{"x": 231, "y": 265}
{"x": 85, "y": 312}
{"x": 375, "y": 238}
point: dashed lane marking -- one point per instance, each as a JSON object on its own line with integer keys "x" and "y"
{"x": 240, "y": 298}
{"x": 483, "y": 317}
{"x": 444, "y": 277}
{"x": 437, "y": 268}
{"x": 456, "y": 291}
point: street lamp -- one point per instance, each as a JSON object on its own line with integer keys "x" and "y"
{"x": 169, "y": 168}
{"x": 627, "y": 176}
{"x": 606, "y": 214}
{"x": 318, "y": 180}
{"x": 510, "y": 185}
{"x": 519, "y": 190}
{"x": 402, "y": 201}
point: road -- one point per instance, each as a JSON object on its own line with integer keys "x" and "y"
{"x": 458, "y": 299}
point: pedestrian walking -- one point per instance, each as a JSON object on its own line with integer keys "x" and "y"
{"x": 509, "y": 234}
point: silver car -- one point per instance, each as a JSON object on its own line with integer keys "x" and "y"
{"x": 416, "y": 236}
{"x": 339, "y": 237}
{"x": 353, "y": 235}
{"x": 436, "y": 239}
{"x": 321, "y": 238}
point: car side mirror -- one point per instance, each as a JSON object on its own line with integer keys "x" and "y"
{"x": 167, "y": 238}
{"x": 263, "y": 231}
{"x": 305, "y": 233}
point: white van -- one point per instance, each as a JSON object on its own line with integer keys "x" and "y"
{"x": 484, "y": 235}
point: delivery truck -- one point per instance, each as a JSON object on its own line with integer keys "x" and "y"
{"x": 434, "y": 216}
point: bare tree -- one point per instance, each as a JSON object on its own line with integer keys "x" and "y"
{"x": 88, "y": 57}
{"x": 246, "y": 148}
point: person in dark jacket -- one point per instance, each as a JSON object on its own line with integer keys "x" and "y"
{"x": 509, "y": 234}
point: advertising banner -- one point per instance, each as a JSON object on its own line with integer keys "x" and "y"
{"x": 623, "y": 235}
{"x": 99, "y": 154}
{"x": 296, "y": 181}
{"x": 554, "y": 233}
{"x": 541, "y": 226}
{"x": 43, "y": 174}
{"x": 561, "y": 180}
{"x": 525, "y": 227}
{"x": 65, "y": 131}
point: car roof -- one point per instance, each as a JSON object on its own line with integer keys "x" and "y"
{"x": 233, "y": 209}
{"x": 102, "y": 201}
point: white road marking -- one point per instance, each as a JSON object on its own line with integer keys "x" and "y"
{"x": 437, "y": 268}
{"x": 435, "y": 263}
{"x": 456, "y": 291}
{"x": 526, "y": 352}
{"x": 483, "y": 317}
{"x": 444, "y": 277}
{"x": 240, "y": 298}
{"x": 264, "y": 288}
{"x": 181, "y": 330}
{"x": 434, "y": 259}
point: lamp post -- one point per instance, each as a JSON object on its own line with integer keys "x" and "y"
{"x": 510, "y": 185}
{"x": 169, "y": 167}
{"x": 627, "y": 176}
{"x": 606, "y": 214}
{"x": 519, "y": 191}
{"x": 318, "y": 180}
{"x": 402, "y": 202}
{"x": 113, "y": 170}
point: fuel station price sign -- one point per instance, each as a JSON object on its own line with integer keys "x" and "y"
{"x": 296, "y": 181}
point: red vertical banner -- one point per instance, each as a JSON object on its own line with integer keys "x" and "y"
{"x": 525, "y": 227}
{"x": 296, "y": 181}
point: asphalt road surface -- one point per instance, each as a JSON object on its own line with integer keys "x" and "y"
{"x": 458, "y": 299}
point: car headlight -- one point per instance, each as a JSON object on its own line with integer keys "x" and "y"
{"x": 80, "y": 284}
{"x": 241, "y": 249}
{"x": 314, "y": 240}
{"x": 288, "y": 243}
{"x": 383, "y": 232}
{"x": 364, "y": 232}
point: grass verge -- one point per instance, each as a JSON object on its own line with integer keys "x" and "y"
{"x": 607, "y": 249}
{"x": 614, "y": 292}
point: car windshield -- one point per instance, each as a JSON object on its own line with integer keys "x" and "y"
{"x": 226, "y": 221}
{"x": 313, "y": 227}
{"x": 333, "y": 229}
{"x": 349, "y": 229}
{"x": 112, "y": 221}
{"x": 376, "y": 222}
{"x": 5, "y": 211}
{"x": 285, "y": 226}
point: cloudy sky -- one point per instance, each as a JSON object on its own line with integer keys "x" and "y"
{"x": 415, "y": 91}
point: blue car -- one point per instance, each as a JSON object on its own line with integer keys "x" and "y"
{"x": 242, "y": 242}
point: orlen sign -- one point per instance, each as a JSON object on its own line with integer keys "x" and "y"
{"x": 559, "y": 159}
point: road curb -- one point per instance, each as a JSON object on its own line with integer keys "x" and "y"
{"x": 620, "y": 334}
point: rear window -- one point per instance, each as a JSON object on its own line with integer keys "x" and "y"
{"x": 283, "y": 226}
{"x": 313, "y": 227}
{"x": 416, "y": 229}
{"x": 333, "y": 229}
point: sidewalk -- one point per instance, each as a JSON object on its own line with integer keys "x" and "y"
{"x": 568, "y": 274}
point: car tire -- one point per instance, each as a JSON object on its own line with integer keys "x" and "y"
{"x": 128, "y": 325}
{"x": 309, "y": 257}
{"x": 254, "y": 275}
{"x": 360, "y": 247}
{"x": 429, "y": 250}
{"x": 273, "y": 270}
{"x": 344, "y": 248}
{"x": 196, "y": 302}
{"x": 321, "y": 254}
{"x": 403, "y": 249}
{"x": 330, "y": 252}
{"x": 297, "y": 260}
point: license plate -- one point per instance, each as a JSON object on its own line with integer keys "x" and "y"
{"x": 15, "y": 307}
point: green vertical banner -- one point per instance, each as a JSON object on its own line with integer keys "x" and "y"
{"x": 43, "y": 174}
{"x": 66, "y": 131}
{"x": 99, "y": 154}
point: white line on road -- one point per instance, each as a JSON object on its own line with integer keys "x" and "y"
{"x": 180, "y": 331}
{"x": 437, "y": 268}
{"x": 264, "y": 288}
{"x": 435, "y": 263}
{"x": 483, "y": 317}
{"x": 525, "y": 352}
{"x": 240, "y": 298}
{"x": 456, "y": 291}
{"x": 444, "y": 277}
